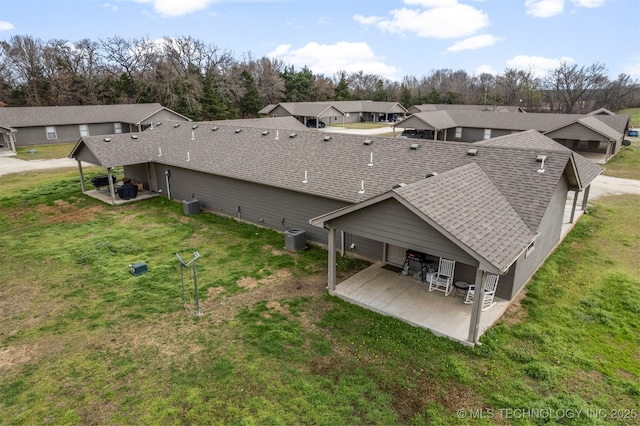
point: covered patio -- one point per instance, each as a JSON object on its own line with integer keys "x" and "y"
{"x": 103, "y": 194}
{"x": 390, "y": 293}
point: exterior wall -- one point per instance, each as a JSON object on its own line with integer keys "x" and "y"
{"x": 26, "y": 136}
{"x": 279, "y": 112}
{"x": 262, "y": 205}
{"x": 161, "y": 115}
{"x": 141, "y": 173}
{"x": 392, "y": 223}
{"x": 550, "y": 230}
{"x": 576, "y": 136}
{"x": 472, "y": 134}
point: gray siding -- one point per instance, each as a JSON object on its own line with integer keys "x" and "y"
{"x": 26, "y": 136}
{"x": 550, "y": 230}
{"x": 260, "y": 204}
{"x": 392, "y": 223}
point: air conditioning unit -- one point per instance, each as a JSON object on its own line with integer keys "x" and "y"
{"x": 295, "y": 239}
{"x": 191, "y": 206}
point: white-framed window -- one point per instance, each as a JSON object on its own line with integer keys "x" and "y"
{"x": 487, "y": 133}
{"x": 84, "y": 129}
{"x": 117, "y": 128}
{"x": 458, "y": 132}
{"x": 51, "y": 133}
{"x": 530, "y": 249}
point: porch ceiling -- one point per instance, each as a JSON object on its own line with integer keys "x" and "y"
{"x": 406, "y": 299}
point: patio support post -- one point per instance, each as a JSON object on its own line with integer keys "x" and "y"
{"x": 331, "y": 248}
{"x": 84, "y": 189}
{"x": 585, "y": 198}
{"x": 476, "y": 308}
{"x": 111, "y": 190}
{"x": 573, "y": 207}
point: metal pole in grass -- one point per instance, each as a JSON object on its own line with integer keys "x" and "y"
{"x": 196, "y": 255}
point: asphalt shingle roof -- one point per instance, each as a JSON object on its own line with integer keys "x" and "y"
{"x": 83, "y": 114}
{"x": 489, "y": 225}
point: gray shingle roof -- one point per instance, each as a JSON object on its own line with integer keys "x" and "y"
{"x": 537, "y": 121}
{"x": 484, "y": 220}
{"x": 84, "y": 114}
{"x": 448, "y": 107}
{"x": 337, "y": 167}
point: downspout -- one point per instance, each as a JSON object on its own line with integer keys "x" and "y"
{"x": 167, "y": 173}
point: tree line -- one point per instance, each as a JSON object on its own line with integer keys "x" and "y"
{"x": 203, "y": 82}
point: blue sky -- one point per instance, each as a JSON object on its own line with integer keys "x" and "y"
{"x": 391, "y": 38}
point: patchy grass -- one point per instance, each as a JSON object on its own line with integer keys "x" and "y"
{"x": 45, "y": 152}
{"x": 625, "y": 164}
{"x": 84, "y": 341}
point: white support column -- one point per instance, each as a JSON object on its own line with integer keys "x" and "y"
{"x": 331, "y": 249}
{"x": 111, "y": 189}
{"x": 84, "y": 188}
{"x": 575, "y": 203}
{"x": 585, "y": 198}
{"x": 476, "y": 308}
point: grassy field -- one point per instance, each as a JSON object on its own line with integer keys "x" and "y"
{"x": 83, "y": 341}
{"x": 44, "y": 152}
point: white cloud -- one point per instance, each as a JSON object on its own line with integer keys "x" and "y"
{"x": 110, "y": 6}
{"x": 549, "y": 8}
{"x": 485, "y": 69}
{"x": 173, "y": 8}
{"x": 632, "y": 70}
{"x": 539, "y": 65}
{"x": 442, "y": 19}
{"x": 6, "y": 26}
{"x": 475, "y": 42}
{"x": 328, "y": 59}
{"x": 544, "y": 8}
{"x": 589, "y": 3}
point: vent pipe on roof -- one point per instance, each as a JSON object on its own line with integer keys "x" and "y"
{"x": 305, "y": 177}
{"x": 159, "y": 151}
{"x": 188, "y": 156}
{"x": 193, "y": 135}
{"x": 540, "y": 159}
{"x": 361, "y": 187}
{"x": 277, "y": 134}
{"x": 370, "y": 160}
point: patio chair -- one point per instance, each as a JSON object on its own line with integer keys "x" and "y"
{"x": 491, "y": 283}
{"x": 442, "y": 279}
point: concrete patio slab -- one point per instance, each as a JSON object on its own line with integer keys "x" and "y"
{"x": 401, "y": 296}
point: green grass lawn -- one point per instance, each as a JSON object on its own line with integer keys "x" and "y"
{"x": 44, "y": 152}
{"x": 83, "y": 341}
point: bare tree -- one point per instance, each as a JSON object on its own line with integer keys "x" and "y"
{"x": 568, "y": 84}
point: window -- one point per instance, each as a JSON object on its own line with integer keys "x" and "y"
{"x": 51, "y": 132}
{"x": 487, "y": 133}
{"x": 530, "y": 249}
{"x": 583, "y": 144}
{"x": 458, "y": 132}
{"x": 84, "y": 130}
{"x": 117, "y": 128}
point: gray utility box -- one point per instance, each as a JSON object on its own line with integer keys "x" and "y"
{"x": 295, "y": 239}
{"x": 191, "y": 206}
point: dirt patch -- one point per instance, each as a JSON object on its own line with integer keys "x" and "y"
{"x": 515, "y": 313}
{"x": 67, "y": 213}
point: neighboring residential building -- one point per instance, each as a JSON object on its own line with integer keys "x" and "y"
{"x": 57, "y": 124}
{"x": 599, "y": 134}
{"x": 485, "y": 205}
{"x": 448, "y": 107}
{"x": 337, "y": 112}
